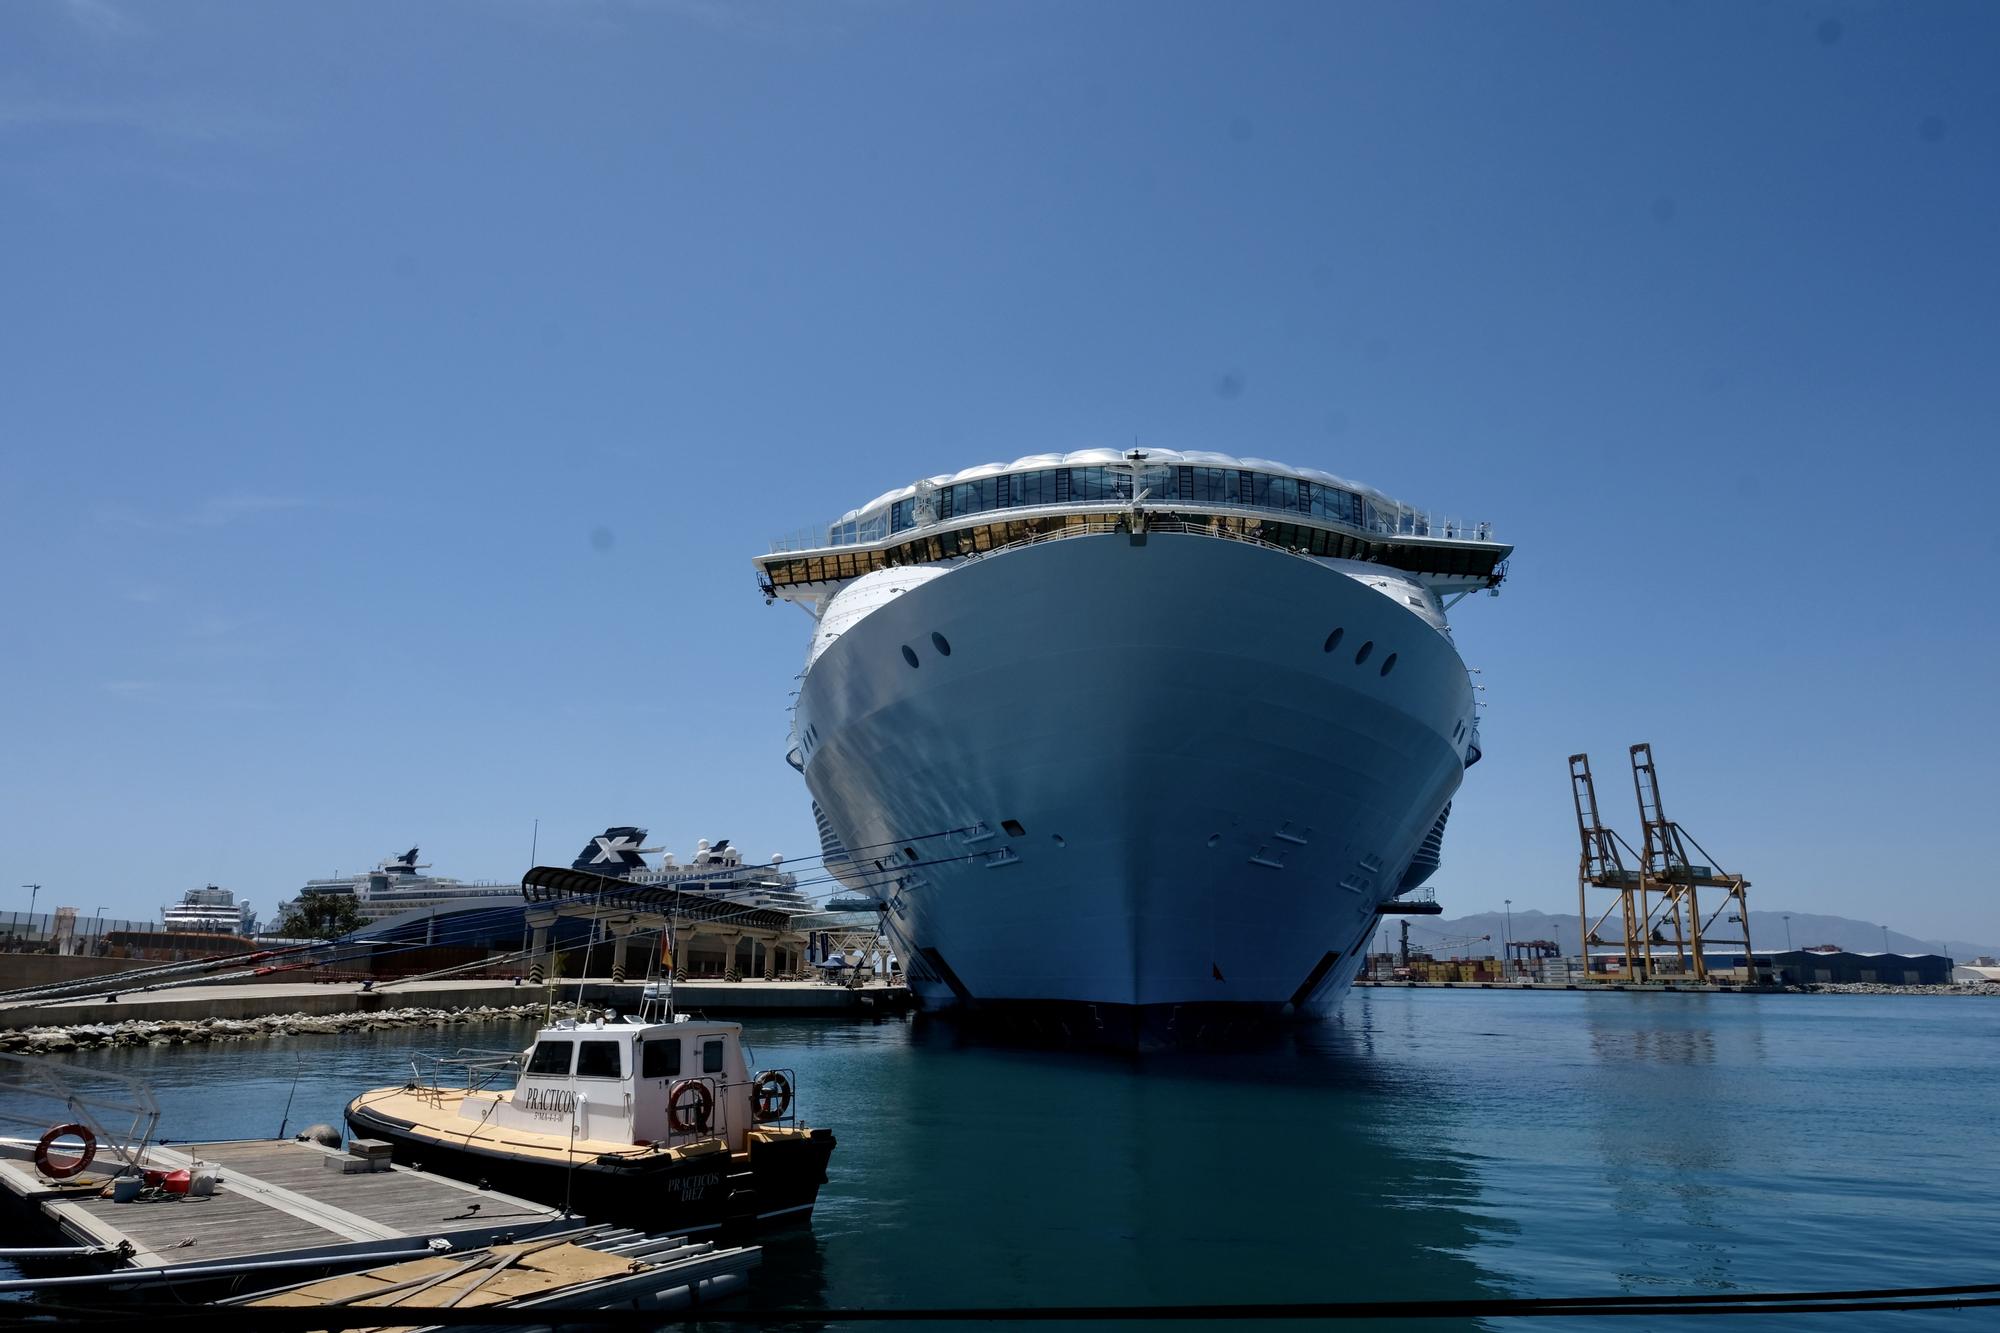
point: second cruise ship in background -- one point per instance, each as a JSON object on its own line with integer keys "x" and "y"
{"x": 716, "y": 871}
{"x": 1136, "y": 745}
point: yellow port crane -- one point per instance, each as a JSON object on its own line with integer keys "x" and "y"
{"x": 1601, "y": 866}
{"x": 1670, "y": 881}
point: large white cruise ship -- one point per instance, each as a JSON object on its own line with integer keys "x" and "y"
{"x": 716, "y": 871}
{"x": 399, "y": 886}
{"x": 210, "y": 910}
{"x": 1134, "y": 746}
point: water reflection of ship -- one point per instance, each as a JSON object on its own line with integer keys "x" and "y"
{"x": 1369, "y": 1163}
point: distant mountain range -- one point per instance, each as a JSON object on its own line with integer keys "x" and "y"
{"x": 1457, "y": 936}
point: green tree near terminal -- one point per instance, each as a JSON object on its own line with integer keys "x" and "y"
{"x": 321, "y": 916}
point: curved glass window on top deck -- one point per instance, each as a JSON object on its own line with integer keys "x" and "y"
{"x": 1229, "y": 483}
{"x": 977, "y": 509}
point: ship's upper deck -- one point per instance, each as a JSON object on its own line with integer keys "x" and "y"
{"x": 983, "y": 508}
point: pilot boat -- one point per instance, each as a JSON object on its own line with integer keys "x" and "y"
{"x": 652, "y": 1124}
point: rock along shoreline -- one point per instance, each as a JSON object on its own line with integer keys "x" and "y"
{"x": 206, "y": 1031}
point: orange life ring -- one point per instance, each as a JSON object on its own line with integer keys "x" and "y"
{"x": 47, "y": 1165}
{"x": 771, "y": 1096}
{"x": 690, "y": 1106}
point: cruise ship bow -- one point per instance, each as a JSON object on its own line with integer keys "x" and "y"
{"x": 1132, "y": 749}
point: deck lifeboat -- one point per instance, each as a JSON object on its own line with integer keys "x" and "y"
{"x": 653, "y": 1124}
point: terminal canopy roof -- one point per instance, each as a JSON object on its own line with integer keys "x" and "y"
{"x": 578, "y": 890}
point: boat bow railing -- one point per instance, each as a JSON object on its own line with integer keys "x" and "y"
{"x": 477, "y": 1069}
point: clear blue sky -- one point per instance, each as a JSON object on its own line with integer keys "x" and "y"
{"x": 392, "y": 397}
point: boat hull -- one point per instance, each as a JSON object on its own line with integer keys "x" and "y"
{"x": 1213, "y": 803}
{"x": 707, "y": 1192}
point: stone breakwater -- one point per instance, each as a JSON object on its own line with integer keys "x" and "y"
{"x": 204, "y": 1031}
{"x": 1878, "y": 988}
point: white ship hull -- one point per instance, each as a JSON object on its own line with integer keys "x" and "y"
{"x": 1212, "y": 806}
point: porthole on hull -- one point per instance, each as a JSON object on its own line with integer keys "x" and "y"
{"x": 942, "y": 644}
{"x": 1333, "y": 640}
{"x": 909, "y": 654}
{"x": 1214, "y": 839}
{"x": 1388, "y": 664}
{"x": 1360, "y": 656}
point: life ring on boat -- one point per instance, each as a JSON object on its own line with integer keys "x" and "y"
{"x": 771, "y": 1096}
{"x": 690, "y": 1106}
{"x": 45, "y": 1161}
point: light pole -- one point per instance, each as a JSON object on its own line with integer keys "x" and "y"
{"x": 1507, "y": 935}
{"x": 1788, "y": 932}
{"x": 1885, "y": 939}
{"x": 98, "y": 929}
{"x": 34, "y": 891}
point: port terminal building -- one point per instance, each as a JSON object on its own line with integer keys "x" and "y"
{"x": 1792, "y": 967}
{"x": 1842, "y": 967}
{"x": 1821, "y": 967}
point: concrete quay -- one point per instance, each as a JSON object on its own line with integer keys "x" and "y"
{"x": 257, "y": 1000}
{"x": 1689, "y": 987}
{"x": 1697, "y": 988}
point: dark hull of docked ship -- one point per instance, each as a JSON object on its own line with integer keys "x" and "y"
{"x": 1117, "y": 1028}
{"x": 710, "y": 1192}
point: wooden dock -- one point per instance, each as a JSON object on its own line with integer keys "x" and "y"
{"x": 598, "y": 1268}
{"x": 278, "y": 1203}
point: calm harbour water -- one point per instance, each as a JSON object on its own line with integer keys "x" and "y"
{"x": 1428, "y": 1144}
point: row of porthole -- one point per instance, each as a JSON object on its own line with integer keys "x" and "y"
{"x": 1361, "y": 654}
{"x": 938, "y": 641}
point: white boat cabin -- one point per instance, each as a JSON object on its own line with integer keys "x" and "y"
{"x": 619, "y": 1080}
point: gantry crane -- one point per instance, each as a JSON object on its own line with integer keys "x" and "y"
{"x": 1404, "y": 951}
{"x": 1440, "y": 943}
{"x": 1601, "y": 866}
{"x": 1669, "y": 889}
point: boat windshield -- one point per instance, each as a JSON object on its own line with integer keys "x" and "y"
{"x": 552, "y": 1056}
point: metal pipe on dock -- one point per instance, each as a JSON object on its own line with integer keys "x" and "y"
{"x": 174, "y": 1274}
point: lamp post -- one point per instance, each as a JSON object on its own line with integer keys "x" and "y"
{"x": 98, "y": 929}
{"x": 34, "y": 891}
{"x": 1788, "y": 932}
{"x": 1885, "y": 939}
{"x": 1507, "y": 935}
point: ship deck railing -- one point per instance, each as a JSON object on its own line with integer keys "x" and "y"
{"x": 1456, "y": 564}
{"x": 1422, "y": 525}
{"x": 1100, "y": 525}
